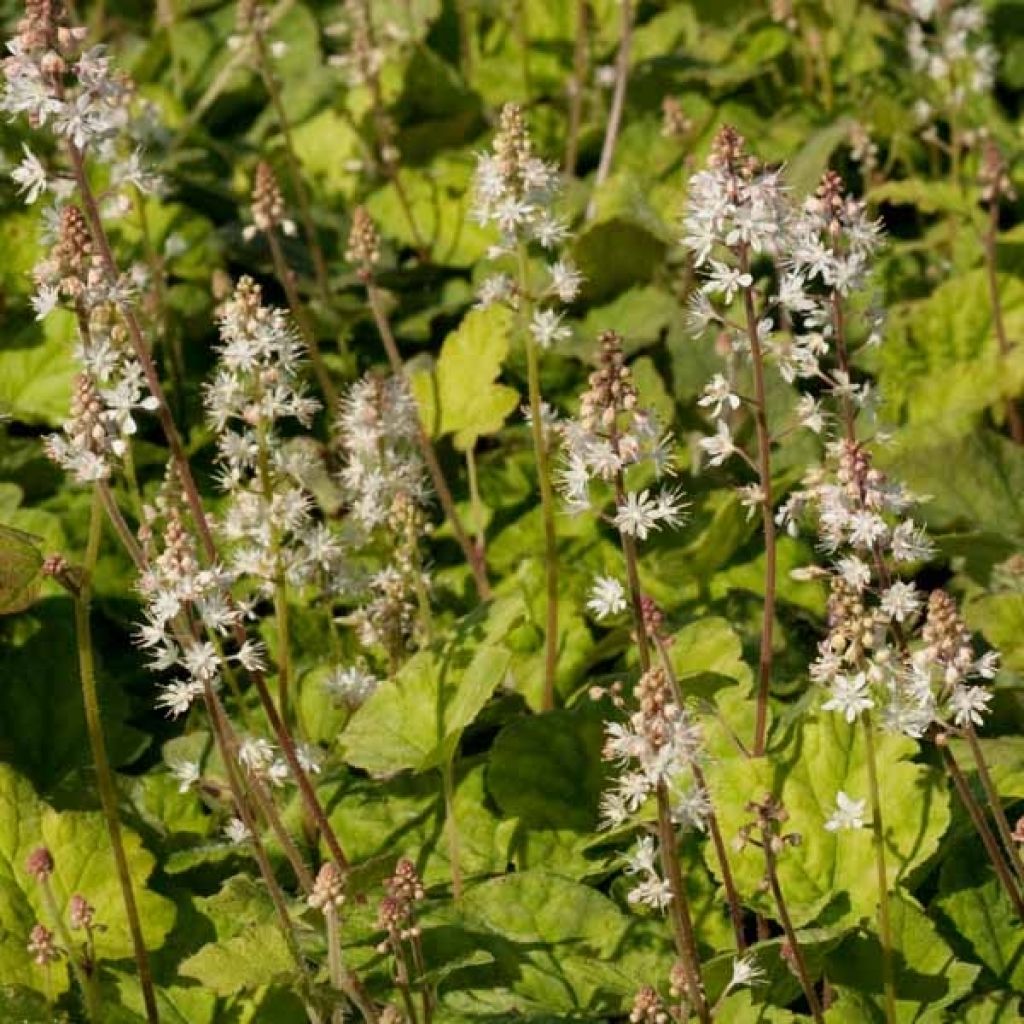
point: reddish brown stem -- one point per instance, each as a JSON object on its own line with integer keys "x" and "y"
{"x": 764, "y": 471}
{"x": 980, "y": 825}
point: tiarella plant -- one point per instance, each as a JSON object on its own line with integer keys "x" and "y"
{"x": 337, "y": 689}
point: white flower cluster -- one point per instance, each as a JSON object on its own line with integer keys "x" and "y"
{"x": 888, "y": 647}
{"x": 948, "y": 47}
{"x": 268, "y": 521}
{"x": 516, "y": 191}
{"x": 657, "y": 745}
{"x": 612, "y": 435}
{"x": 385, "y": 488}
{"x": 177, "y": 592}
{"x": 378, "y": 426}
{"x": 79, "y": 96}
{"x": 111, "y": 386}
{"x": 821, "y": 253}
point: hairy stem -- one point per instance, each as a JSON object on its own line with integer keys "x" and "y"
{"x": 798, "y": 961}
{"x": 995, "y": 803}
{"x": 721, "y": 854}
{"x": 547, "y": 497}
{"x": 878, "y": 843}
{"x": 679, "y": 910}
{"x": 101, "y": 762}
{"x": 286, "y": 277}
{"x": 611, "y": 134}
{"x": 764, "y": 472}
{"x": 476, "y": 504}
{"x": 294, "y": 166}
{"x": 1006, "y": 879}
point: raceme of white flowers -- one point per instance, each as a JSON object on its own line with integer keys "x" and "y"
{"x": 516, "y": 191}
{"x": 656, "y": 746}
{"x": 889, "y": 647}
{"x": 612, "y": 436}
{"x": 384, "y": 481}
{"x": 948, "y": 46}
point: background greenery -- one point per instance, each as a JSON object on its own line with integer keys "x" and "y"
{"x": 553, "y": 939}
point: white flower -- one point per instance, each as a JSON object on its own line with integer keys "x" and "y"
{"x": 607, "y": 597}
{"x": 720, "y": 445}
{"x": 810, "y": 415}
{"x": 256, "y": 753}
{"x": 745, "y": 971}
{"x": 352, "y": 684}
{"x": 642, "y": 860}
{"x": 252, "y": 656}
{"x": 495, "y": 288}
{"x": 44, "y": 302}
{"x": 187, "y": 774}
{"x": 718, "y": 395}
{"x": 726, "y": 280}
{"x": 866, "y": 528}
{"x": 855, "y": 573}
{"x": 177, "y": 697}
{"x": 849, "y": 814}
{"x": 235, "y": 832}
{"x": 565, "y": 280}
{"x": 652, "y": 892}
{"x": 969, "y": 704}
{"x": 310, "y": 758}
{"x": 900, "y": 601}
{"x": 849, "y": 696}
{"x": 547, "y": 328}
{"x": 636, "y": 516}
{"x": 30, "y": 176}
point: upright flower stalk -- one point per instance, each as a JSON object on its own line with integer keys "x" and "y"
{"x": 79, "y": 586}
{"x": 269, "y": 217}
{"x": 736, "y": 211}
{"x": 83, "y": 101}
{"x": 516, "y": 191}
{"x": 364, "y": 252}
{"x": 659, "y": 745}
{"x": 254, "y": 26}
{"x": 362, "y": 63}
{"x": 766, "y": 831}
{"x": 614, "y": 122}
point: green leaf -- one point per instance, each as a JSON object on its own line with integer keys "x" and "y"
{"x": 253, "y": 958}
{"x": 36, "y": 368}
{"x": 460, "y": 396}
{"x": 928, "y": 975}
{"x": 927, "y": 196}
{"x": 20, "y": 565}
{"x": 439, "y": 205}
{"x": 83, "y": 863}
{"x": 834, "y": 869}
{"x": 974, "y": 482}
{"x": 1000, "y": 619}
{"x": 546, "y": 770}
{"x": 555, "y": 945}
{"x": 624, "y": 242}
{"x": 972, "y": 898}
{"x": 42, "y": 729}
{"x": 941, "y": 367}
{"x": 414, "y": 720}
